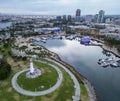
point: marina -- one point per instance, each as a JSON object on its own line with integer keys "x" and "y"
{"x": 80, "y": 39}
{"x": 84, "y": 60}
{"x": 113, "y": 62}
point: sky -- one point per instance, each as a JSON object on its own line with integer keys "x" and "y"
{"x": 59, "y": 7}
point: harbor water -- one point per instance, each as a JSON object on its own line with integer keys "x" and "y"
{"x": 106, "y": 81}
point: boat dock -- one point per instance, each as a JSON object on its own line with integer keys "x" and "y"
{"x": 113, "y": 62}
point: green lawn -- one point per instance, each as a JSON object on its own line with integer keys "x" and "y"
{"x": 63, "y": 93}
{"x": 47, "y": 79}
{"x": 84, "y": 94}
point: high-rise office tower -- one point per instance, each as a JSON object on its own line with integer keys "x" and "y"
{"x": 69, "y": 18}
{"x": 64, "y": 17}
{"x": 78, "y": 13}
{"x": 96, "y": 18}
{"x": 101, "y": 16}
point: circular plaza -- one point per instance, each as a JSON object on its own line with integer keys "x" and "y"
{"x": 35, "y": 92}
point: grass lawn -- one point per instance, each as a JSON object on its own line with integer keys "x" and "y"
{"x": 84, "y": 94}
{"x": 47, "y": 79}
{"x": 63, "y": 93}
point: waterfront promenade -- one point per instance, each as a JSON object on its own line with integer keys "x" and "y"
{"x": 90, "y": 89}
{"x": 76, "y": 97}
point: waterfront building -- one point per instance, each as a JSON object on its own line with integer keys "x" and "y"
{"x": 78, "y": 13}
{"x": 85, "y": 40}
{"x": 47, "y": 30}
{"x": 101, "y": 16}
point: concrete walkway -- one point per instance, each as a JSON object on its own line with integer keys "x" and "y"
{"x": 90, "y": 90}
{"x": 75, "y": 97}
{"x": 31, "y": 93}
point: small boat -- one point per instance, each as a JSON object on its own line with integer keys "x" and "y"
{"x": 114, "y": 64}
{"x": 108, "y": 54}
{"x": 104, "y": 64}
{"x": 69, "y": 37}
{"x": 42, "y": 40}
{"x": 57, "y": 37}
{"x": 101, "y": 61}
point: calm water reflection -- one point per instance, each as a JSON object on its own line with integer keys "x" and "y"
{"x": 84, "y": 59}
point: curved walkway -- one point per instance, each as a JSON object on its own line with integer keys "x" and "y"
{"x": 31, "y": 93}
{"x": 76, "y": 97}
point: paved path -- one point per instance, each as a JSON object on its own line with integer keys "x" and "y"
{"x": 31, "y": 93}
{"x": 76, "y": 97}
{"x": 90, "y": 90}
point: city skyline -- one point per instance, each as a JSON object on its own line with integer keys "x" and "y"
{"x": 59, "y": 7}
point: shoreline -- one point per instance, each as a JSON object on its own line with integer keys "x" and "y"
{"x": 89, "y": 87}
{"x": 107, "y": 48}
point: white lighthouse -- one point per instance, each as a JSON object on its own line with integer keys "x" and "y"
{"x": 31, "y": 66}
{"x": 33, "y": 73}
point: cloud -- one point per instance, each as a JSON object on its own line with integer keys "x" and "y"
{"x": 27, "y": 12}
{"x": 56, "y": 7}
{"x": 58, "y": 2}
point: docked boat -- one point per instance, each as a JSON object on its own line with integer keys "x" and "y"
{"x": 108, "y": 54}
{"x": 42, "y": 40}
{"x": 108, "y": 62}
{"x": 70, "y": 37}
{"x": 100, "y": 61}
{"x": 105, "y": 64}
{"x": 57, "y": 37}
{"x": 114, "y": 64}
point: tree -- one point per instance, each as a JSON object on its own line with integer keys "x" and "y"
{"x": 5, "y": 69}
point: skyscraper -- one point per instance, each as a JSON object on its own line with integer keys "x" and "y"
{"x": 96, "y": 18}
{"x": 78, "y": 13}
{"x": 101, "y": 16}
{"x": 64, "y": 17}
{"x": 69, "y": 18}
